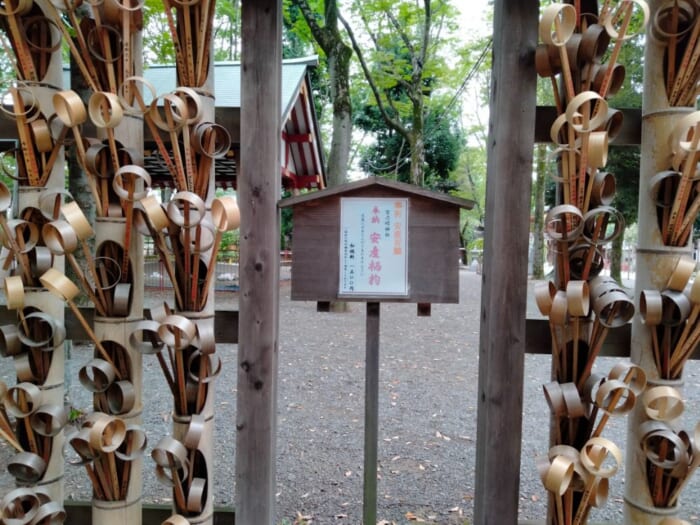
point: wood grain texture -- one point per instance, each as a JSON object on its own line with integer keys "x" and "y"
{"x": 258, "y": 193}
{"x": 504, "y": 289}
{"x": 433, "y": 245}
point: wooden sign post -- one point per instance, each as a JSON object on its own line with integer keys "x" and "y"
{"x": 375, "y": 241}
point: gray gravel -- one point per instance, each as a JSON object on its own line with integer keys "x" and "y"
{"x": 427, "y": 427}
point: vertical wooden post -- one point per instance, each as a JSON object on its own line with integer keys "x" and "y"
{"x": 504, "y": 288}
{"x": 258, "y": 193}
{"x": 371, "y": 412}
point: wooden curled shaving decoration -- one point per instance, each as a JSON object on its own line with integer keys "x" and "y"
{"x": 206, "y": 338}
{"x": 580, "y": 119}
{"x": 663, "y": 403}
{"x": 197, "y": 495}
{"x": 195, "y": 431}
{"x": 681, "y": 274}
{"x": 610, "y": 20}
{"x": 177, "y": 331}
{"x": 632, "y": 375}
{"x": 558, "y": 24}
{"x": 601, "y": 457}
{"x": 97, "y": 375}
{"x": 194, "y": 364}
{"x": 134, "y": 444}
{"x": 597, "y": 225}
{"x": 225, "y": 213}
{"x": 105, "y": 110}
{"x": 662, "y": 24}
{"x": 80, "y": 443}
{"x": 559, "y": 310}
{"x": 48, "y": 420}
{"x": 22, "y": 399}
{"x": 155, "y": 213}
{"x": 76, "y": 218}
{"x": 544, "y": 294}
{"x": 50, "y": 512}
{"x": 609, "y": 395}
{"x": 121, "y": 397}
{"x": 69, "y": 108}
{"x": 578, "y": 297}
{"x": 139, "y": 176}
{"x": 59, "y": 284}
{"x": 681, "y": 143}
{"x": 613, "y": 308}
{"x": 651, "y": 307}
{"x": 26, "y": 467}
{"x": 174, "y": 112}
{"x": 200, "y": 238}
{"x": 663, "y": 448}
{"x": 22, "y": 234}
{"x": 564, "y": 223}
{"x": 555, "y": 398}
{"x": 170, "y": 457}
{"x": 658, "y": 184}
{"x": 676, "y": 307}
{"x": 50, "y": 202}
{"x": 59, "y": 237}
{"x": 186, "y": 209}
{"x": 14, "y": 292}
{"x": 107, "y": 433}
{"x": 211, "y": 140}
{"x": 29, "y": 110}
{"x": 10, "y": 345}
{"x": 145, "y": 339}
{"x": 19, "y": 506}
{"x": 37, "y": 323}
{"x": 132, "y": 85}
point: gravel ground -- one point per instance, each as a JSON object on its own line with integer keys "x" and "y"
{"x": 427, "y": 419}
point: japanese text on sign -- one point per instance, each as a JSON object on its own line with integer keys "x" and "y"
{"x": 373, "y": 244}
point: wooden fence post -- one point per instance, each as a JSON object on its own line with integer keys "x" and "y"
{"x": 504, "y": 289}
{"x": 258, "y": 193}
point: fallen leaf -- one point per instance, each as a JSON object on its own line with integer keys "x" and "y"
{"x": 412, "y": 517}
{"x": 535, "y": 497}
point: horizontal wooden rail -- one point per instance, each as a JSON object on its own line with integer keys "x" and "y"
{"x": 225, "y": 323}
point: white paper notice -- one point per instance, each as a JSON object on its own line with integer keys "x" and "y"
{"x": 373, "y": 258}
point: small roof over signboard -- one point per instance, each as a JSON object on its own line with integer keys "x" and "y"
{"x": 351, "y": 187}
{"x": 376, "y": 238}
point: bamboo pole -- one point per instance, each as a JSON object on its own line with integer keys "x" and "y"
{"x": 655, "y": 263}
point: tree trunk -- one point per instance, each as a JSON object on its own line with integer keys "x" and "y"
{"x": 339, "y": 70}
{"x": 418, "y": 142}
{"x": 616, "y": 257}
{"x": 538, "y": 226}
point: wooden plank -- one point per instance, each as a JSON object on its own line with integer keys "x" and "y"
{"x": 369, "y": 500}
{"x": 504, "y": 289}
{"x": 433, "y": 247}
{"x": 258, "y": 193}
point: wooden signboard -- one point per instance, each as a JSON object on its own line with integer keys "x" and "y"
{"x": 376, "y": 240}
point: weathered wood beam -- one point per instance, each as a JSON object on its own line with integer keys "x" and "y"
{"x": 258, "y": 193}
{"x": 504, "y": 288}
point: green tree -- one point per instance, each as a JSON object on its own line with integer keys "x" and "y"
{"x": 321, "y": 18}
{"x": 404, "y": 64}
{"x": 390, "y": 154}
